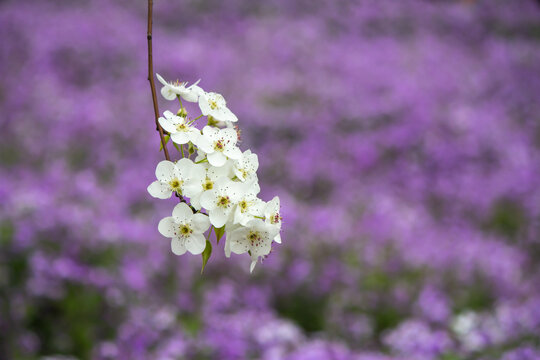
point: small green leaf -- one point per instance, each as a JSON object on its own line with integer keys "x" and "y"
{"x": 219, "y": 233}
{"x": 166, "y": 137}
{"x": 206, "y": 254}
{"x": 176, "y": 146}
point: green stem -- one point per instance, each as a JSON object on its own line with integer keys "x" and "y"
{"x": 180, "y": 100}
{"x": 182, "y": 150}
{"x": 201, "y": 161}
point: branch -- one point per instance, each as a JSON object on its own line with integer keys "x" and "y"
{"x": 151, "y": 80}
{"x": 153, "y": 89}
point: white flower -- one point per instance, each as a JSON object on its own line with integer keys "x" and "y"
{"x": 256, "y": 238}
{"x": 249, "y": 205}
{"x": 202, "y": 181}
{"x": 246, "y": 166}
{"x": 222, "y": 145}
{"x": 272, "y": 216}
{"x": 181, "y": 132}
{"x": 171, "y": 90}
{"x": 170, "y": 178}
{"x": 214, "y": 104}
{"x": 186, "y": 230}
{"x": 220, "y": 201}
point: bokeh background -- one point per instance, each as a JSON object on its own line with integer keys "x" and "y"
{"x": 403, "y": 138}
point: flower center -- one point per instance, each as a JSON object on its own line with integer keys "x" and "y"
{"x": 254, "y": 238}
{"x": 243, "y": 205}
{"x": 185, "y": 230}
{"x": 224, "y": 201}
{"x": 208, "y": 184}
{"x": 213, "y": 104}
{"x": 181, "y": 127}
{"x": 219, "y": 146}
{"x": 175, "y": 184}
{"x": 275, "y": 219}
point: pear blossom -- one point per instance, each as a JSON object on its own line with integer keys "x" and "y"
{"x": 246, "y": 166}
{"x": 170, "y": 90}
{"x": 272, "y": 216}
{"x": 223, "y": 145}
{"x": 221, "y": 200}
{"x": 214, "y": 104}
{"x": 249, "y": 205}
{"x": 203, "y": 181}
{"x": 186, "y": 230}
{"x": 170, "y": 179}
{"x": 180, "y": 131}
{"x": 222, "y": 182}
{"x": 255, "y": 238}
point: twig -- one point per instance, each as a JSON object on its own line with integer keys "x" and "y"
{"x": 153, "y": 89}
{"x": 151, "y": 80}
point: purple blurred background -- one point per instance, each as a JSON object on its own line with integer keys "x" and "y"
{"x": 403, "y": 138}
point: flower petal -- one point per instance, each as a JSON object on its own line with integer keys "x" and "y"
{"x": 159, "y": 190}
{"x": 167, "y": 125}
{"x": 200, "y": 222}
{"x": 179, "y": 137}
{"x": 195, "y": 244}
{"x": 233, "y": 152}
{"x": 208, "y": 200}
{"x": 177, "y": 246}
{"x": 182, "y": 213}
{"x": 218, "y": 217}
{"x": 165, "y": 171}
{"x": 167, "y": 227}
{"x": 217, "y": 159}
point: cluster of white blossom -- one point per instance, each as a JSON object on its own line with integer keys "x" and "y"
{"x": 220, "y": 181}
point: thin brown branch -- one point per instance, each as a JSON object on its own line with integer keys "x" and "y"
{"x": 151, "y": 80}
{"x": 153, "y": 89}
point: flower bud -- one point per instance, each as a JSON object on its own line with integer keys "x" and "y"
{"x": 182, "y": 112}
{"x": 212, "y": 121}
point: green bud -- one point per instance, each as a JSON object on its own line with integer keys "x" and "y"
{"x": 191, "y": 148}
{"x": 212, "y": 121}
{"x": 182, "y": 112}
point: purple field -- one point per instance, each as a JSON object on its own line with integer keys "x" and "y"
{"x": 403, "y": 138}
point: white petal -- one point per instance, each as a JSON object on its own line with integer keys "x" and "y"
{"x": 204, "y": 105}
{"x": 218, "y": 217}
{"x": 196, "y": 172}
{"x": 161, "y": 79}
{"x": 159, "y": 190}
{"x": 180, "y": 137}
{"x": 233, "y": 152}
{"x": 209, "y": 199}
{"x": 182, "y": 213}
{"x": 252, "y": 265}
{"x": 278, "y": 238}
{"x": 191, "y": 95}
{"x": 229, "y": 135}
{"x": 195, "y": 244}
{"x": 177, "y": 246}
{"x": 225, "y": 114}
{"x": 167, "y": 93}
{"x": 200, "y": 222}
{"x": 167, "y": 125}
{"x": 167, "y": 227}
{"x": 217, "y": 159}
{"x": 202, "y": 143}
{"x": 192, "y": 188}
{"x": 196, "y": 202}
{"x": 238, "y": 241}
{"x": 210, "y": 132}
{"x": 165, "y": 171}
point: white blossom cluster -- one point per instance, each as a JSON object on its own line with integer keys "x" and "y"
{"x": 220, "y": 181}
